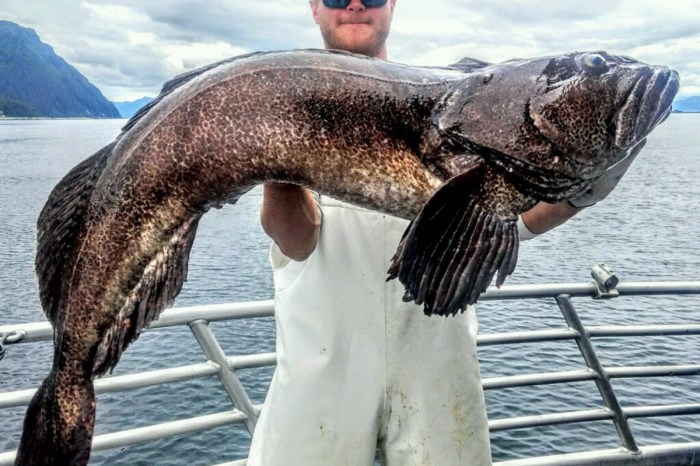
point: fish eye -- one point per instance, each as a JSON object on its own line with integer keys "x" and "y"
{"x": 595, "y": 62}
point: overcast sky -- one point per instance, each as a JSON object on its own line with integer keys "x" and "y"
{"x": 128, "y": 48}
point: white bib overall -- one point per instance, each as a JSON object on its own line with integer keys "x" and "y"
{"x": 358, "y": 369}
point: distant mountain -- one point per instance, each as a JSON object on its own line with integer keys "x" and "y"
{"x": 34, "y": 81}
{"x": 687, "y": 104}
{"x": 127, "y": 109}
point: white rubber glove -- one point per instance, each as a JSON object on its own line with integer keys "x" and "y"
{"x": 604, "y": 185}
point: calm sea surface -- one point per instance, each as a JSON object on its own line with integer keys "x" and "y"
{"x": 648, "y": 229}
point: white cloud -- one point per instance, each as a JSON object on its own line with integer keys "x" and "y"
{"x": 128, "y": 48}
{"x": 178, "y": 58}
{"x": 114, "y": 14}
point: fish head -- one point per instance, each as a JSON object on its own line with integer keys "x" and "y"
{"x": 596, "y": 106}
{"x": 556, "y": 123}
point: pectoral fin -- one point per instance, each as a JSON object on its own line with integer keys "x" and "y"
{"x": 160, "y": 283}
{"x": 458, "y": 242}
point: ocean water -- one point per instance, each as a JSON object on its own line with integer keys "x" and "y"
{"x": 648, "y": 229}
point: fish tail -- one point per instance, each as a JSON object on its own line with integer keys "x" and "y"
{"x": 58, "y": 431}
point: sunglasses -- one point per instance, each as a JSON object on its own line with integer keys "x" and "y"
{"x": 345, "y": 3}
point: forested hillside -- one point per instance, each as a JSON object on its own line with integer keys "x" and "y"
{"x": 34, "y": 81}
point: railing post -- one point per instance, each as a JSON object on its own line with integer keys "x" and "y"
{"x": 228, "y": 377}
{"x": 602, "y": 380}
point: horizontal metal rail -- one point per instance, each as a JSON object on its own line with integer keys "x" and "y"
{"x": 550, "y": 419}
{"x": 541, "y": 378}
{"x": 643, "y": 330}
{"x": 111, "y": 384}
{"x": 198, "y": 317}
{"x": 590, "y": 289}
{"x": 588, "y": 415}
{"x": 672, "y": 454}
{"x": 42, "y": 331}
{"x": 154, "y": 432}
{"x": 544, "y": 378}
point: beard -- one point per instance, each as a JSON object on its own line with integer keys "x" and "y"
{"x": 365, "y": 38}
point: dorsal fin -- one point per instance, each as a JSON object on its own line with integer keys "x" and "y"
{"x": 469, "y": 65}
{"x": 59, "y": 227}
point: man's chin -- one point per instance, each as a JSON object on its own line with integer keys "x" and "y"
{"x": 357, "y": 43}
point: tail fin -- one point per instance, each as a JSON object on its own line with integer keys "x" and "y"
{"x": 58, "y": 432}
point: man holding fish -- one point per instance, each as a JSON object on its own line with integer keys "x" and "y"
{"x": 358, "y": 368}
{"x": 460, "y": 150}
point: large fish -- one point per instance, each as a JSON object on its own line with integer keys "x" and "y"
{"x": 461, "y": 150}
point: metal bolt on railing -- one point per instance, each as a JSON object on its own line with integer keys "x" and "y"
{"x": 10, "y": 337}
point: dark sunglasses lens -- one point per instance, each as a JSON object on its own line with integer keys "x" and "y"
{"x": 336, "y": 3}
{"x": 345, "y": 3}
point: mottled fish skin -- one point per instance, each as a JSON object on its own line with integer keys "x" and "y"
{"x": 115, "y": 234}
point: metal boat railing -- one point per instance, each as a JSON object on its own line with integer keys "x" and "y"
{"x": 244, "y": 411}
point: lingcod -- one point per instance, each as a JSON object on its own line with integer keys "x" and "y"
{"x": 459, "y": 150}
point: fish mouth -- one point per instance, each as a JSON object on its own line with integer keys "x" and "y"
{"x": 647, "y": 104}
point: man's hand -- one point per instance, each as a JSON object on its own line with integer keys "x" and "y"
{"x": 604, "y": 185}
{"x": 290, "y": 216}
